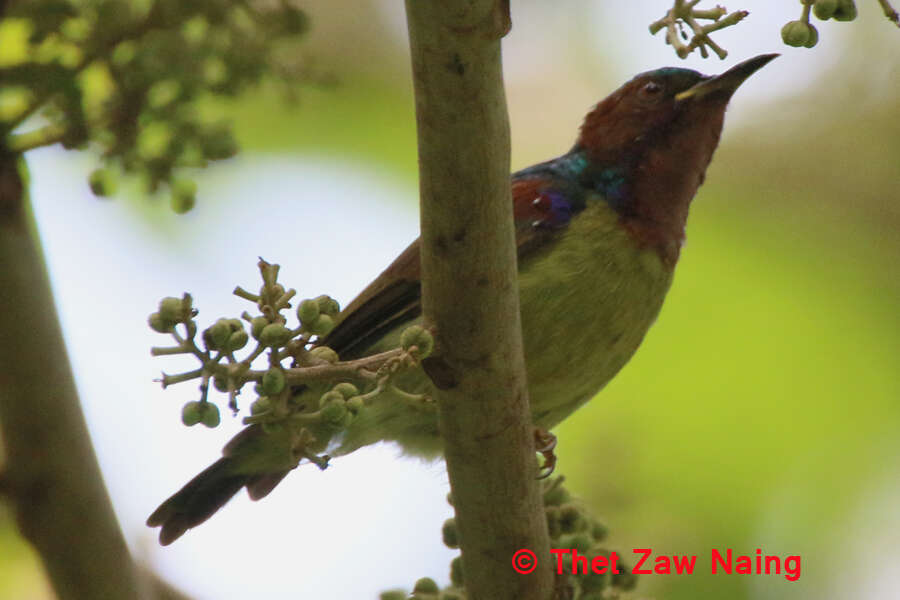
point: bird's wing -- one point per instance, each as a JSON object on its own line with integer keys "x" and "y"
{"x": 542, "y": 206}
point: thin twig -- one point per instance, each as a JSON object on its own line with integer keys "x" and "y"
{"x": 339, "y": 370}
{"x": 684, "y": 13}
{"x": 37, "y": 138}
{"x": 890, "y": 12}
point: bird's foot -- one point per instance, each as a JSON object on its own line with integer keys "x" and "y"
{"x": 545, "y": 443}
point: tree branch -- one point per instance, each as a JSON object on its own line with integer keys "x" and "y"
{"x": 470, "y": 293}
{"x": 45, "y": 136}
{"x": 890, "y": 12}
{"x": 51, "y": 474}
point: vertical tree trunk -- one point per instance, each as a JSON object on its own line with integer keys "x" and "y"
{"x": 470, "y": 293}
{"x": 51, "y": 475}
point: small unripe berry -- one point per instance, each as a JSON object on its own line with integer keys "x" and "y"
{"x": 260, "y": 405}
{"x": 322, "y": 326}
{"x": 217, "y": 143}
{"x": 595, "y": 582}
{"x": 211, "y": 417}
{"x": 274, "y": 335}
{"x": 346, "y": 389}
{"x": 331, "y": 397}
{"x": 846, "y": 10}
{"x": 171, "y": 310}
{"x": 216, "y": 335}
{"x": 237, "y": 340}
{"x": 457, "y": 577}
{"x": 324, "y": 353}
{"x": 273, "y": 381}
{"x": 417, "y": 336}
{"x": 257, "y": 325}
{"x": 393, "y": 595}
{"x": 184, "y": 195}
{"x": 813, "y": 37}
{"x": 598, "y": 531}
{"x": 220, "y": 383}
{"x": 163, "y": 93}
{"x": 449, "y": 534}
{"x": 571, "y": 518}
{"x": 308, "y": 312}
{"x": 825, "y": 9}
{"x": 334, "y": 413}
{"x": 102, "y": 183}
{"x": 159, "y": 325}
{"x": 795, "y": 33}
{"x": 355, "y": 404}
{"x": 191, "y": 413}
{"x": 426, "y": 585}
{"x": 76, "y": 28}
{"x": 556, "y": 496}
{"x": 328, "y": 305}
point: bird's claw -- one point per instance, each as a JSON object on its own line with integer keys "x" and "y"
{"x": 545, "y": 444}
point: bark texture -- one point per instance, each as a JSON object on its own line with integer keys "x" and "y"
{"x": 50, "y": 473}
{"x": 470, "y": 293}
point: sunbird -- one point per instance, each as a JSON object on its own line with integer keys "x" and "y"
{"x": 599, "y": 231}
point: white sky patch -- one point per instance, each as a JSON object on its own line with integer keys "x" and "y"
{"x": 371, "y": 521}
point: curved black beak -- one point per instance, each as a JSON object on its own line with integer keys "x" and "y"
{"x": 728, "y": 81}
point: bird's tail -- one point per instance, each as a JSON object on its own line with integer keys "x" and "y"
{"x": 205, "y": 494}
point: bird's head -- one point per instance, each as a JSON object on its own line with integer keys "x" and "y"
{"x": 663, "y": 105}
{"x": 646, "y": 147}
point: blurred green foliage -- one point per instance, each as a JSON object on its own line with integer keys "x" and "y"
{"x": 136, "y": 78}
{"x": 359, "y": 119}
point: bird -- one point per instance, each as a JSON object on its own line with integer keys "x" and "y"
{"x": 599, "y": 231}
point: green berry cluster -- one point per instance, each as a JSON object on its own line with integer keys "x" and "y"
{"x": 417, "y": 341}
{"x": 316, "y": 396}
{"x": 802, "y": 33}
{"x": 135, "y": 78}
{"x": 570, "y": 525}
{"x": 222, "y": 339}
{"x": 685, "y": 33}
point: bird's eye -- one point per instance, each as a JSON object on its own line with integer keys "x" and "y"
{"x": 651, "y": 89}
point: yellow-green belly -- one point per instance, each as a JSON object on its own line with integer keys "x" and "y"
{"x": 586, "y": 304}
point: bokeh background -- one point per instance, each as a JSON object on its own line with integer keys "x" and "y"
{"x": 762, "y": 411}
